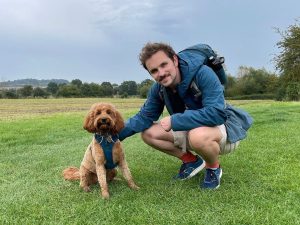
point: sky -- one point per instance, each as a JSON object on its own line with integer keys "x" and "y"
{"x": 100, "y": 40}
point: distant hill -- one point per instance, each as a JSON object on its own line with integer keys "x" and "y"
{"x": 33, "y": 82}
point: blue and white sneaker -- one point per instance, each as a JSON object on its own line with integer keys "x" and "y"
{"x": 212, "y": 178}
{"x": 188, "y": 170}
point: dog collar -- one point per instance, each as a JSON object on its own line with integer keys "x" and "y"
{"x": 106, "y": 138}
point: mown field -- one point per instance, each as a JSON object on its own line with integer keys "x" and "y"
{"x": 39, "y": 138}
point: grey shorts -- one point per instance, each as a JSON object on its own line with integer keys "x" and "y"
{"x": 180, "y": 140}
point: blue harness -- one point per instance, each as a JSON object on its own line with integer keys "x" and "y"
{"x": 107, "y": 143}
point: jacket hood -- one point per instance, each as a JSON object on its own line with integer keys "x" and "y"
{"x": 189, "y": 64}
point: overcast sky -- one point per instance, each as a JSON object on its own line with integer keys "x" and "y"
{"x": 100, "y": 40}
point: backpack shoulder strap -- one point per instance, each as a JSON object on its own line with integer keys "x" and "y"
{"x": 164, "y": 97}
{"x": 195, "y": 89}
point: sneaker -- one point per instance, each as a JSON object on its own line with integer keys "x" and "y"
{"x": 188, "y": 170}
{"x": 212, "y": 178}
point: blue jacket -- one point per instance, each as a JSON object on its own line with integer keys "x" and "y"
{"x": 208, "y": 110}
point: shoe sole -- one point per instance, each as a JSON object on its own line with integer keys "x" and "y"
{"x": 197, "y": 170}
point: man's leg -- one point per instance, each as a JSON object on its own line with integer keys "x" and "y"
{"x": 206, "y": 142}
{"x": 163, "y": 141}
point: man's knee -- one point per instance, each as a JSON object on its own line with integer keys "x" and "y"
{"x": 148, "y": 134}
{"x": 201, "y": 137}
{"x": 145, "y": 135}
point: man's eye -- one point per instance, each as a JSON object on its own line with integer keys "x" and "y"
{"x": 153, "y": 71}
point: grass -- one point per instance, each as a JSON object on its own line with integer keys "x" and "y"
{"x": 39, "y": 138}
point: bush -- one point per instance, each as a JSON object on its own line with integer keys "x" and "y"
{"x": 40, "y": 92}
{"x": 280, "y": 94}
{"x": 293, "y": 91}
{"x": 10, "y": 93}
{"x": 124, "y": 95}
{"x": 144, "y": 91}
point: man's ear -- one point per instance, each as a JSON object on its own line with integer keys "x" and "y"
{"x": 175, "y": 60}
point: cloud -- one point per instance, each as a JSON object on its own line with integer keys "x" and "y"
{"x": 91, "y": 21}
{"x": 61, "y": 20}
{"x": 102, "y": 38}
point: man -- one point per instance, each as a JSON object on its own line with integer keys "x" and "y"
{"x": 205, "y": 125}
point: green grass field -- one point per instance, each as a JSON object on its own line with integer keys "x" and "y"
{"x": 39, "y": 138}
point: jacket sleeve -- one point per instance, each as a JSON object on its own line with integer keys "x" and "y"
{"x": 212, "y": 113}
{"x": 149, "y": 112}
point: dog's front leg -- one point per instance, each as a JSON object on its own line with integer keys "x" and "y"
{"x": 118, "y": 155}
{"x": 100, "y": 169}
{"x": 126, "y": 172}
{"x": 127, "y": 175}
{"x": 101, "y": 174}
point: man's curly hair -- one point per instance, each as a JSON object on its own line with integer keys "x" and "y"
{"x": 151, "y": 48}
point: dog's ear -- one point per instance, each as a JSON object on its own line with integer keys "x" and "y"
{"x": 119, "y": 122}
{"x": 88, "y": 123}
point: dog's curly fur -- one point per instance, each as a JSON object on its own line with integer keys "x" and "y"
{"x": 105, "y": 120}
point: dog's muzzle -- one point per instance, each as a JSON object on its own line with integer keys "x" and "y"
{"x": 103, "y": 123}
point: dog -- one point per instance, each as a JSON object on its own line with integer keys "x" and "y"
{"x": 104, "y": 153}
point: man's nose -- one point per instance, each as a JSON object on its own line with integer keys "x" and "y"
{"x": 161, "y": 71}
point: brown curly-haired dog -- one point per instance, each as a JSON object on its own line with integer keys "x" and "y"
{"x": 104, "y": 152}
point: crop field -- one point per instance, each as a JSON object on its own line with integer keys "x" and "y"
{"x": 41, "y": 137}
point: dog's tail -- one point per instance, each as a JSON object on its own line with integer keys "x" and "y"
{"x": 71, "y": 173}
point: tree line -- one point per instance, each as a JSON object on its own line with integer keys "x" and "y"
{"x": 77, "y": 89}
{"x": 249, "y": 83}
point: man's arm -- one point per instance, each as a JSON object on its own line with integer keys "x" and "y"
{"x": 149, "y": 112}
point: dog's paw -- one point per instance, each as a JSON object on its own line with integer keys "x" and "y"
{"x": 105, "y": 195}
{"x": 134, "y": 186}
{"x": 86, "y": 189}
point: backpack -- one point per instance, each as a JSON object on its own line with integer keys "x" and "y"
{"x": 211, "y": 59}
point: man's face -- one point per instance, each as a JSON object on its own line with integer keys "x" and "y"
{"x": 163, "y": 69}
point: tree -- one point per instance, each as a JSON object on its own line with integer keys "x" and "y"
{"x": 115, "y": 88}
{"x": 107, "y": 89}
{"x": 69, "y": 91}
{"x": 40, "y": 92}
{"x": 250, "y": 81}
{"x": 91, "y": 90}
{"x": 128, "y": 87}
{"x": 147, "y": 82}
{"x": 76, "y": 82}
{"x": 230, "y": 88}
{"x": 96, "y": 90}
{"x": 288, "y": 61}
{"x": 144, "y": 87}
{"x": 52, "y": 88}
{"x": 10, "y": 93}
{"x": 86, "y": 90}
{"x": 26, "y": 91}
{"x": 293, "y": 91}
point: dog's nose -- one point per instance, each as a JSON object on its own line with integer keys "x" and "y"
{"x": 103, "y": 120}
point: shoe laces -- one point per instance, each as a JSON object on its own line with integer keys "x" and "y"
{"x": 182, "y": 168}
{"x": 211, "y": 174}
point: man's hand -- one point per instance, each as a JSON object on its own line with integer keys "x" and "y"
{"x": 166, "y": 123}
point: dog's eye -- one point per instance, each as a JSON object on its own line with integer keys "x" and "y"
{"x": 108, "y": 111}
{"x": 98, "y": 112}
